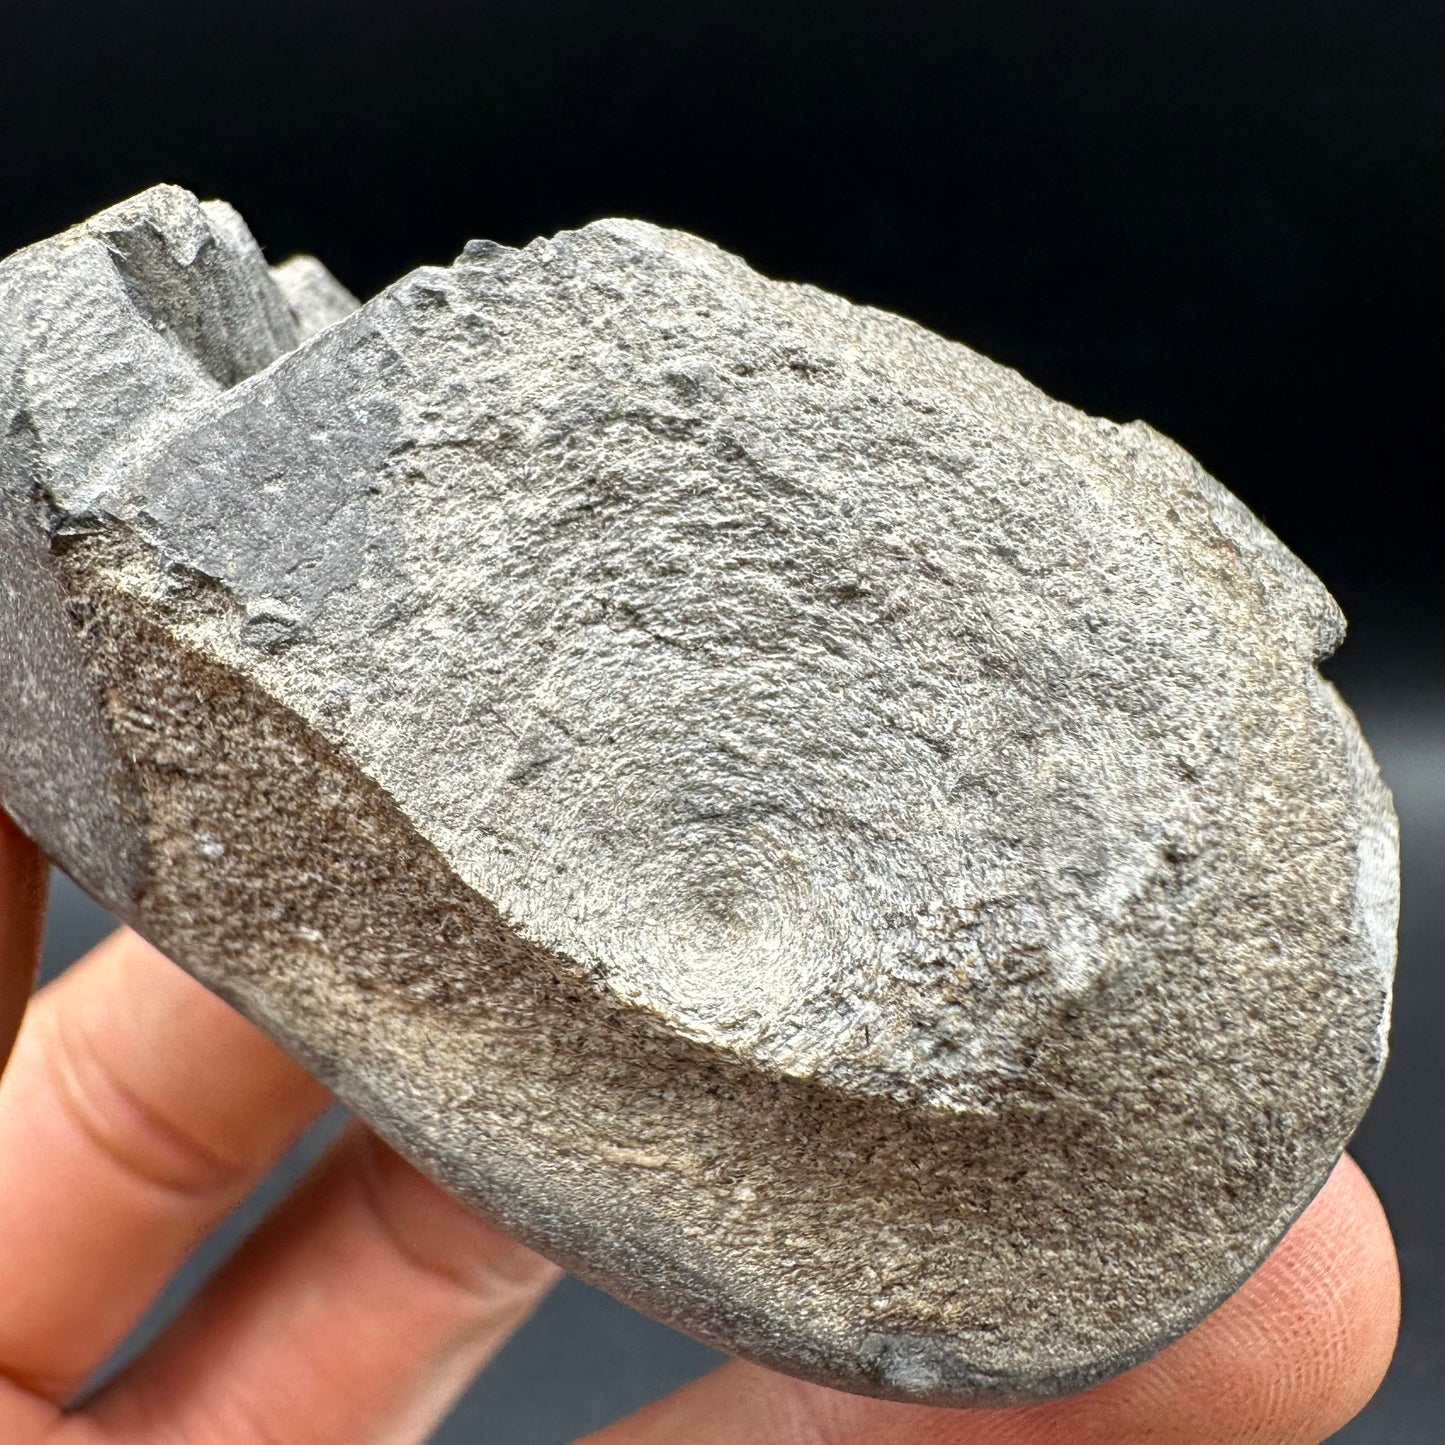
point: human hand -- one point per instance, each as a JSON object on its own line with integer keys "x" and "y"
{"x": 138, "y": 1109}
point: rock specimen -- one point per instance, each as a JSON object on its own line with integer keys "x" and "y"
{"x": 843, "y": 850}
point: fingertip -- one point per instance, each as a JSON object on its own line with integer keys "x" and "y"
{"x": 1358, "y": 1290}
{"x": 1295, "y": 1354}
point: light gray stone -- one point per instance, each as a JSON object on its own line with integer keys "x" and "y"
{"x": 847, "y": 852}
{"x": 316, "y": 297}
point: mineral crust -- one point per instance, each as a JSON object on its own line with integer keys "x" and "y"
{"x": 847, "y": 852}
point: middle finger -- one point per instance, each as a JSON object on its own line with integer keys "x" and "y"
{"x": 137, "y": 1111}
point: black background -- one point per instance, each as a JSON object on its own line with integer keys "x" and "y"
{"x": 1223, "y": 218}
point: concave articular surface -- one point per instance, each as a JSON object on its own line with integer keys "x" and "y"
{"x": 841, "y": 849}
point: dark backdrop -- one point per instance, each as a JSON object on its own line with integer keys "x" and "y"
{"x": 1224, "y": 218}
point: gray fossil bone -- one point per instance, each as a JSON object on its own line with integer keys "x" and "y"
{"x": 847, "y": 852}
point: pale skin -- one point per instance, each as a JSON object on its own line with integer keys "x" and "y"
{"x": 137, "y": 1109}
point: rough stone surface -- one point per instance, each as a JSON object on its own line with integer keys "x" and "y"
{"x": 315, "y": 296}
{"x": 847, "y": 852}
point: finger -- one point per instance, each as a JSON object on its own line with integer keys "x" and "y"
{"x": 1288, "y": 1360}
{"x": 355, "y": 1316}
{"x": 138, "y": 1110}
{"x": 23, "y": 879}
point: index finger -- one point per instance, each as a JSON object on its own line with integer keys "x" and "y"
{"x": 23, "y": 879}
